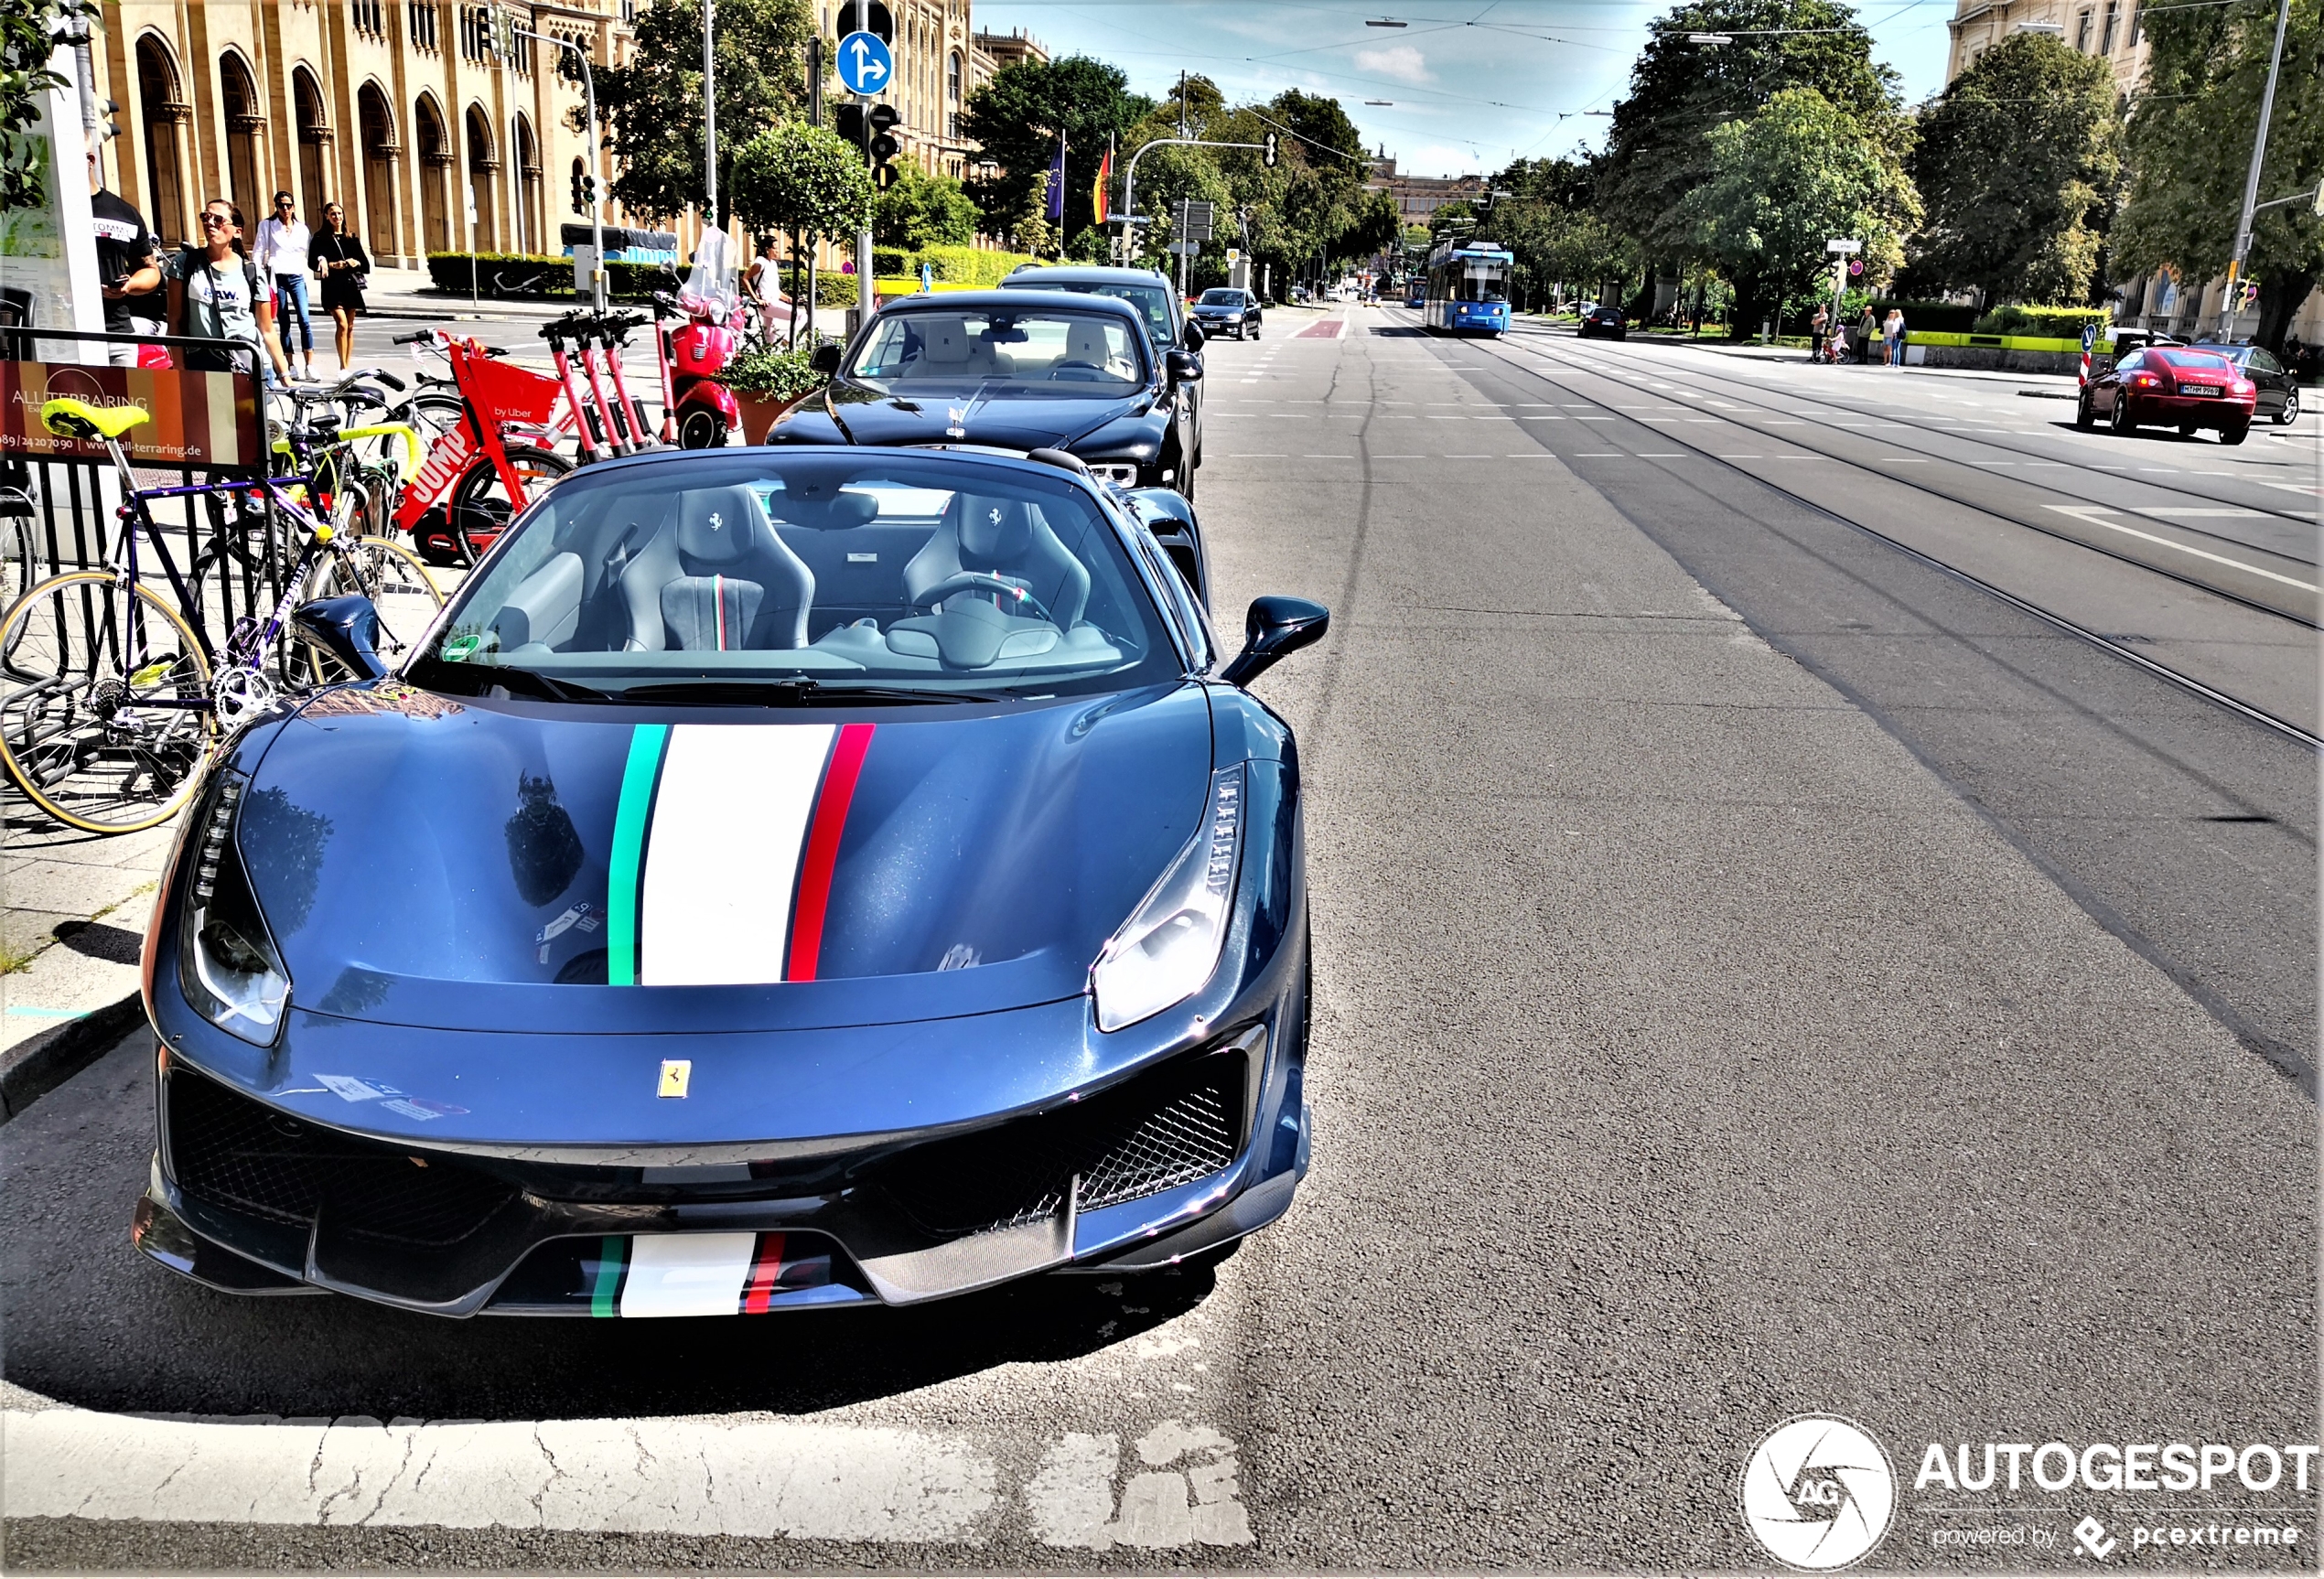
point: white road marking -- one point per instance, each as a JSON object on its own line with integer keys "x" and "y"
{"x": 680, "y": 1475}
{"x": 1186, "y": 1494}
{"x": 2090, "y": 513}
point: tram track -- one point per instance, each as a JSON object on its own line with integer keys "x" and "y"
{"x": 2051, "y": 617}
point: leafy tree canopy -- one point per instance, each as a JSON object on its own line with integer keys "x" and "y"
{"x": 1659, "y": 147}
{"x": 923, "y": 210}
{"x": 1784, "y": 182}
{"x": 2016, "y": 164}
{"x": 1016, "y": 119}
{"x": 653, "y": 104}
{"x": 27, "y": 38}
{"x": 2190, "y": 146}
{"x": 803, "y": 179}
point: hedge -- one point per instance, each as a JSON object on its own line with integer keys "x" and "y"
{"x": 972, "y": 266}
{"x": 1939, "y": 317}
{"x": 2047, "y": 323}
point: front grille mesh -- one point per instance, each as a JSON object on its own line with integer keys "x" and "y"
{"x": 234, "y": 1152}
{"x": 1168, "y": 1128}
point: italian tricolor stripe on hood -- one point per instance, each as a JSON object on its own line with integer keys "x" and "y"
{"x": 724, "y": 844}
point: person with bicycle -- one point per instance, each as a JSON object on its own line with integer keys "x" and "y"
{"x": 216, "y": 293}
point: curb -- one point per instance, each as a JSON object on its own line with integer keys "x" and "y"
{"x": 38, "y": 1065}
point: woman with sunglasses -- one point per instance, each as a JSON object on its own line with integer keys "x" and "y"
{"x": 282, "y": 247}
{"x": 216, "y": 295}
{"x": 339, "y": 258}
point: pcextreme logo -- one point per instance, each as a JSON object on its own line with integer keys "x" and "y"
{"x": 1818, "y": 1493}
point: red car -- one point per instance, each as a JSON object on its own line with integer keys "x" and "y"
{"x": 2172, "y": 386}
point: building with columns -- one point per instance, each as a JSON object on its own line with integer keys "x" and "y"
{"x": 399, "y": 111}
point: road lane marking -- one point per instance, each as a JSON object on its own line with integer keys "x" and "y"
{"x": 2089, "y": 514}
{"x": 678, "y": 1476}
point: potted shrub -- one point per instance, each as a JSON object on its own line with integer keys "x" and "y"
{"x": 767, "y": 381}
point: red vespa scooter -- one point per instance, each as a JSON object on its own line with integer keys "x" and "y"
{"x": 698, "y": 411}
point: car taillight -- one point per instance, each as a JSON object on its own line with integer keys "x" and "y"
{"x": 2144, "y": 381}
{"x": 2244, "y": 386}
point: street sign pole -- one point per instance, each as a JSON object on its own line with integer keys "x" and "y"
{"x": 505, "y": 29}
{"x": 1128, "y": 216}
{"x": 709, "y": 120}
{"x": 2250, "y": 182}
{"x": 863, "y": 302}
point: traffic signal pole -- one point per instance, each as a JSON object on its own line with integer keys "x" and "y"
{"x": 504, "y": 26}
{"x": 864, "y": 236}
{"x": 2251, "y": 181}
{"x": 1130, "y": 175}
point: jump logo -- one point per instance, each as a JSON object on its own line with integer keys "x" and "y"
{"x": 1818, "y": 1493}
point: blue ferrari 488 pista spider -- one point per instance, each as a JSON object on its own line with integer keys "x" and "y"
{"x": 780, "y": 877}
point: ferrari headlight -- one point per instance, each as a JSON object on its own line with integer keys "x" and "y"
{"x": 226, "y": 962}
{"x": 1170, "y": 944}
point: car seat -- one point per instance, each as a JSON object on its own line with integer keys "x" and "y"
{"x": 718, "y": 579}
{"x": 1086, "y": 341}
{"x": 1007, "y": 538}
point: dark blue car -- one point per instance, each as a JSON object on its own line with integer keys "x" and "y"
{"x": 782, "y": 876}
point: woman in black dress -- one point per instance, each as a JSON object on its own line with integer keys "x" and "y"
{"x": 340, "y": 259}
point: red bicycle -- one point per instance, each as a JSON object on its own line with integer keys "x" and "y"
{"x": 483, "y": 471}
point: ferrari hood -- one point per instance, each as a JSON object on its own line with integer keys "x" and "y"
{"x": 1003, "y": 420}
{"x": 491, "y": 866}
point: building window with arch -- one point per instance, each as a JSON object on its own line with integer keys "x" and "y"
{"x": 420, "y": 18}
{"x": 484, "y": 165}
{"x": 162, "y": 106}
{"x": 245, "y": 183}
{"x": 953, "y": 99}
{"x": 376, "y": 124}
{"x": 369, "y": 18}
{"x": 531, "y": 234}
{"x": 436, "y": 159}
{"x": 314, "y": 144}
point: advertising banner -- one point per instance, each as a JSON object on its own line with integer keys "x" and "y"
{"x": 199, "y": 419}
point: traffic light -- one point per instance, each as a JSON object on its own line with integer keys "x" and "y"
{"x": 584, "y": 192}
{"x": 883, "y": 146}
{"x": 848, "y": 120}
{"x": 1272, "y": 151}
{"x": 1485, "y": 204}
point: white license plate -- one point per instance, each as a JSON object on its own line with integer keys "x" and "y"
{"x": 2199, "y": 389}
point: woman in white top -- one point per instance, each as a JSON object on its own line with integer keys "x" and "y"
{"x": 281, "y": 247}
{"x": 765, "y": 286}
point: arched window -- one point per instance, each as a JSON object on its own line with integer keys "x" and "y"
{"x": 376, "y": 124}
{"x": 162, "y": 106}
{"x": 484, "y": 165}
{"x": 531, "y": 235}
{"x": 314, "y": 145}
{"x": 436, "y": 159}
{"x": 245, "y": 120}
{"x": 953, "y": 99}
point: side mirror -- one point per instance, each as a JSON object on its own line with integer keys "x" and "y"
{"x": 346, "y": 628}
{"x": 1194, "y": 336}
{"x": 1186, "y": 368}
{"x": 824, "y": 359}
{"x": 1275, "y": 628}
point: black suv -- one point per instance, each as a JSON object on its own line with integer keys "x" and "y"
{"x": 1606, "y": 320}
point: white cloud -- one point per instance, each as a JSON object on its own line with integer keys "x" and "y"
{"x": 1403, "y": 62}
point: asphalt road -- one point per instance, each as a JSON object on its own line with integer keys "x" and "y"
{"x": 1759, "y": 972}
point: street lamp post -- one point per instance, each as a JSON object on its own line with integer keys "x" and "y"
{"x": 2251, "y": 181}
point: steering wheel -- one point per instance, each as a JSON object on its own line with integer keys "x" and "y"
{"x": 1024, "y": 605}
{"x": 1090, "y": 369}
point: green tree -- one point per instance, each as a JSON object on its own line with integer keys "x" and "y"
{"x": 27, "y": 38}
{"x": 2016, "y": 165}
{"x": 2190, "y": 144}
{"x": 652, "y": 103}
{"x": 923, "y": 210}
{"x": 1016, "y": 119}
{"x": 1659, "y": 147}
{"x": 803, "y": 181}
{"x": 1784, "y": 183}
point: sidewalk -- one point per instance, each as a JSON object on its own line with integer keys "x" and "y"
{"x": 73, "y": 908}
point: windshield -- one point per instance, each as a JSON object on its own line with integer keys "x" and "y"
{"x": 1152, "y": 302}
{"x": 1221, "y": 298}
{"x": 1041, "y": 352}
{"x": 791, "y": 579}
{"x": 1483, "y": 283}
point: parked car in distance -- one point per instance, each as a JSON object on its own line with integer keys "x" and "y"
{"x": 1223, "y": 309}
{"x": 1603, "y": 321}
{"x": 2172, "y": 386}
{"x": 2276, "y": 392}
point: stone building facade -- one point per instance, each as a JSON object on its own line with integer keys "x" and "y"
{"x": 400, "y": 111}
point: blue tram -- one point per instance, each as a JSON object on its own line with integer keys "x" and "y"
{"x": 1468, "y": 288}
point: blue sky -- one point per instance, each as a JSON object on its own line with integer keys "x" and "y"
{"x": 1470, "y": 83}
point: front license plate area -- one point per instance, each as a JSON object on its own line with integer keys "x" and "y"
{"x": 641, "y": 1276}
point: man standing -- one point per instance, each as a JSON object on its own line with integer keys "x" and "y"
{"x": 125, "y": 267}
{"x": 283, "y": 244}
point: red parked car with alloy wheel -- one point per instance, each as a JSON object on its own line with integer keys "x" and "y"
{"x": 2172, "y": 386}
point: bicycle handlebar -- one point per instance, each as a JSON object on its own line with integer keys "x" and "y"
{"x": 416, "y": 338}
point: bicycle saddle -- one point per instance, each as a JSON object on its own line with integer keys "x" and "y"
{"x": 69, "y": 418}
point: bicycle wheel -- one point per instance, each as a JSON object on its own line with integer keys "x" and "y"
{"x": 399, "y": 587}
{"x": 85, "y": 654}
{"x": 19, "y": 551}
{"x": 479, "y": 507}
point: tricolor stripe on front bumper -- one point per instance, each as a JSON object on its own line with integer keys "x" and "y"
{"x": 701, "y": 1274}
{"x": 724, "y": 841}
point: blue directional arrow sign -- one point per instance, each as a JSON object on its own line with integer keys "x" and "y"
{"x": 865, "y": 64}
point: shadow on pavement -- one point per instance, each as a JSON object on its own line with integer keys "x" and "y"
{"x": 90, "y": 1322}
